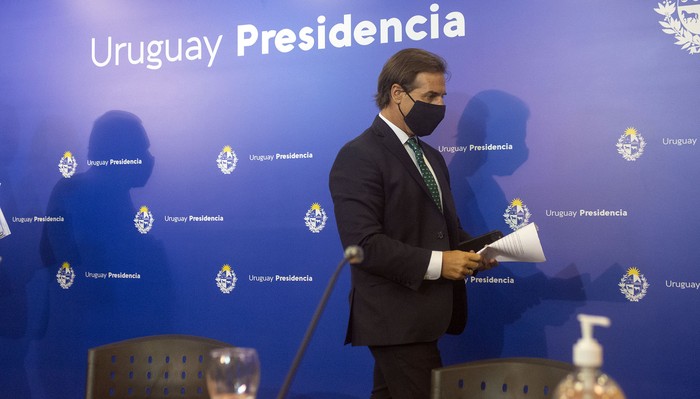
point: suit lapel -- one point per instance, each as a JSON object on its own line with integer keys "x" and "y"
{"x": 441, "y": 176}
{"x": 436, "y": 164}
{"x": 393, "y": 145}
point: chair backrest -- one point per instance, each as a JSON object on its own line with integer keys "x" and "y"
{"x": 160, "y": 366}
{"x": 530, "y": 378}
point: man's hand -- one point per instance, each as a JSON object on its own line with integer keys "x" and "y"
{"x": 457, "y": 265}
{"x": 487, "y": 264}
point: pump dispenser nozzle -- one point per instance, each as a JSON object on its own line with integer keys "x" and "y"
{"x": 588, "y": 380}
{"x": 587, "y": 351}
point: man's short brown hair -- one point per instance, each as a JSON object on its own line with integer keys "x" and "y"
{"x": 402, "y": 68}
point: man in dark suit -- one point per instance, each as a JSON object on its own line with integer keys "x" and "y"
{"x": 394, "y": 200}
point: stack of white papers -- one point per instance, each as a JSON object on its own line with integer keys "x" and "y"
{"x": 522, "y": 245}
{"x": 4, "y": 228}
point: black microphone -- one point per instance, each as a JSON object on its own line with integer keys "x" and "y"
{"x": 353, "y": 255}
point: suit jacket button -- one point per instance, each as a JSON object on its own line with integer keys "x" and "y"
{"x": 441, "y": 235}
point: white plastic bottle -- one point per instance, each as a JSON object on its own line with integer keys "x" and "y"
{"x": 588, "y": 381}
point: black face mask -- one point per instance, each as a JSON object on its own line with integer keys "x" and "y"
{"x": 424, "y": 117}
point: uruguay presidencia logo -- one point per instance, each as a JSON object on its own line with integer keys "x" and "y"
{"x": 631, "y": 144}
{"x": 682, "y": 21}
{"x": 315, "y": 218}
{"x": 67, "y": 165}
{"x": 633, "y": 285}
{"x": 65, "y": 276}
{"x": 143, "y": 220}
{"x": 226, "y": 279}
{"x": 517, "y": 215}
{"x": 227, "y": 160}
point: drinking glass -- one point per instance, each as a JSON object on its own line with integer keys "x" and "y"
{"x": 233, "y": 373}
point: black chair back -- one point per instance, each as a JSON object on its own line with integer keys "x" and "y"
{"x": 530, "y": 378}
{"x": 160, "y": 366}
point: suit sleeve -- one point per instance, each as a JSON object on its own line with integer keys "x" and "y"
{"x": 359, "y": 196}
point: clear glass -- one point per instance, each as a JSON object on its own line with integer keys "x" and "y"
{"x": 233, "y": 373}
{"x": 588, "y": 383}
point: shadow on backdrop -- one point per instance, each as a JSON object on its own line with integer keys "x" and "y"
{"x": 122, "y": 286}
{"x": 496, "y": 310}
{"x": 16, "y": 326}
{"x": 25, "y": 295}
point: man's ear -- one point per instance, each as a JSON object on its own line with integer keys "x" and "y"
{"x": 397, "y": 93}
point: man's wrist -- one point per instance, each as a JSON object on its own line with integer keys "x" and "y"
{"x": 434, "y": 270}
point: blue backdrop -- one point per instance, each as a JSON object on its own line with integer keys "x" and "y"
{"x": 579, "y": 116}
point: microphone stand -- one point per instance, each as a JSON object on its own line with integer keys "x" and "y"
{"x": 353, "y": 255}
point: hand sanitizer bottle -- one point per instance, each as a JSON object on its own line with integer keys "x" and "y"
{"x": 588, "y": 381}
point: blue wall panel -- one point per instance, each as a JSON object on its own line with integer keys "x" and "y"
{"x": 540, "y": 95}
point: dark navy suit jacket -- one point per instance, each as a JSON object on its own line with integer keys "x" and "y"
{"x": 382, "y": 203}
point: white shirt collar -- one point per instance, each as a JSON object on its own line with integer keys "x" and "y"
{"x": 403, "y": 137}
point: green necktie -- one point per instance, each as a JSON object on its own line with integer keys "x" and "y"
{"x": 425, "y": 171}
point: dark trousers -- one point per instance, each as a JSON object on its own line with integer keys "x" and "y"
{"x": 403, "y": 371}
